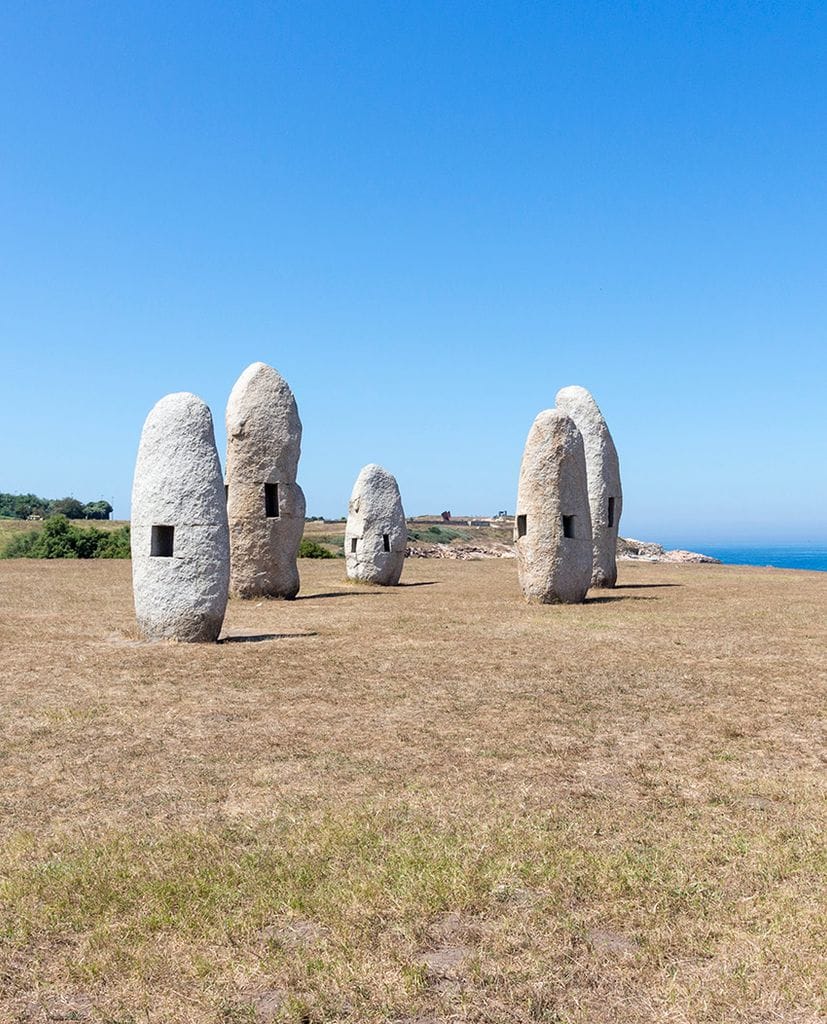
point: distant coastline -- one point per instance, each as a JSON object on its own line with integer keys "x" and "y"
{"x": 804, "y": 556}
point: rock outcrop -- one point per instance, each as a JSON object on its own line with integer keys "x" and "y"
{"x": 630, "y": 550}
{"x": 376, "y": 534}
{"x": 603, "y": 473}
{"x": 265, "y": 505}
{"x": 552, "y": 528}
{"x": 462, "y": 552}
{"x": 180, "y": 542}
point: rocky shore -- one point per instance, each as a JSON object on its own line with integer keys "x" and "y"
{"x": 628, "y": 550}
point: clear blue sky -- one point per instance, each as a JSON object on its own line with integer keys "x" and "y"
{"x": 428, "y": 217}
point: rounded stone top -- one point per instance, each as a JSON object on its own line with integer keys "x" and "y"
{"x": 375, "y": 489}
{"x": 579, "y": 403}
{"x": 177, "y": 472}
{"x": 259, "y": 385}
{"x": 180, "y": 418}
{"x": 575, "y": 397}
{"x": 374, "y": 470}
{"x": 261, "y": 405}
{"x": 374, "y": 478}
{"x": 552, "y": 424}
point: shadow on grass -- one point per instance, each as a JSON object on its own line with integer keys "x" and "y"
{"x": 339, "y": 593}
{"x": 423, "y": 583}
{"x": 258, "y": 638}
{"x": 620, "y": 597}
{"x": 644, "y": 586}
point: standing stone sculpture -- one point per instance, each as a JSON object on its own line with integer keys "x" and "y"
{"x": 376, "y": 535}
{"x": 179, "y": 537}
{"x": 552, "y": 528}
{"x": 603, "y": 473}
{"x": 265, "y": 505}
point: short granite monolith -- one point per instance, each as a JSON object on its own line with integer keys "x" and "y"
{"x": 376, "y": 535}
{"x": 179, "y": 536}
{"x": 265, "y": 505}
{"x": 603, "y": 473}
{"x": 552, "y": 528}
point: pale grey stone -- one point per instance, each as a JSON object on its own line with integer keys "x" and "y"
{"x": 180, "y": 542}
{"x": 603, "y": 472}
{"x": 265, "y": 505}
{"x": 552, "y": 528}
{"x": 376, "y": 534}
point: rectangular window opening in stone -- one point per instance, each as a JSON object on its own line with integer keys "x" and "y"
{"x": 226, "y": 493}
{"x": 568, "y": 526}
{"x": 271, "y": 501}
{"x": 611, "y": 511}
{"x": 386, "y": 542}
{"x": 353, "y": 545}
{"x": 162, "y": 541}
{"x": 521, "y": 526}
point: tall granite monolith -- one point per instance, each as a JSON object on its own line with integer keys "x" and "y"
{"x": 265, "y": 505}
{"x": 552, "y": 529}
{"x": 603, "y": 473}
{"x": 179, "y": 537}
{"x": 376, "y": 535}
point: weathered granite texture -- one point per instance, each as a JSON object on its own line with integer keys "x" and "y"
{"x": 265, "y": 505}
{"x": 179, "y": 536}
{"x": 376, "y": 534}
{"x": 552, "y": 528}
{"x": 603, "y": 472}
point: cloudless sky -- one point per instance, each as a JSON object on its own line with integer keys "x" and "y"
{"x": 429, "y": 217}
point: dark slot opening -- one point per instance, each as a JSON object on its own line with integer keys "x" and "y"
{"x": 521, "y": 526}
{"x": 271, "y": 501}
{"x": 353, "y": 545}
{"x": 611, "y": 511}
{"x": 568, "y": 526}
{"x": 162, "y": 541}
{"x": 386, "y": 542}
{"x": 226, "y": 493}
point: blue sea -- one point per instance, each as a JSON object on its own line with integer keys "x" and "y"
{"x": 804, "y": 557}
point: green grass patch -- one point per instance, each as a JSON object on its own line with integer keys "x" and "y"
{"x": 438, "y": 534}
{"x": 313, "y": 549}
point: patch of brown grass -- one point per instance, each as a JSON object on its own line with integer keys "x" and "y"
{"x": 428, "y": 803}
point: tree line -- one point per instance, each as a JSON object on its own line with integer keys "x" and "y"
{"x": 22, "y": 506}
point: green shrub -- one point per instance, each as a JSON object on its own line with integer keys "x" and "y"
{"x": 114, "y": 543}
{"x": 436, "y": 534}
{"x": 58, "y": 538}
{"x": 310, "y": 549}
{"x": 333, "y": 540}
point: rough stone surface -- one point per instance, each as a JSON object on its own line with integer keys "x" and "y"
{"x": 376, "y": 534}
{"x": 264, "y": 435}
{"x": 603, "y": 472}
{"x": 553, "y": 500}
{"x": 178, "y": 485}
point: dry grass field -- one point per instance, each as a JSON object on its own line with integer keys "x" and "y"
{"x": 425, "y": 804}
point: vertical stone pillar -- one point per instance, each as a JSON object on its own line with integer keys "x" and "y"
{"x": 179, "y": 537}
{"x": 376, "y": 535}
{"x": 552, "y": 528}
{"x": 265, "y": 505}
{"x": 603, "y": 473}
